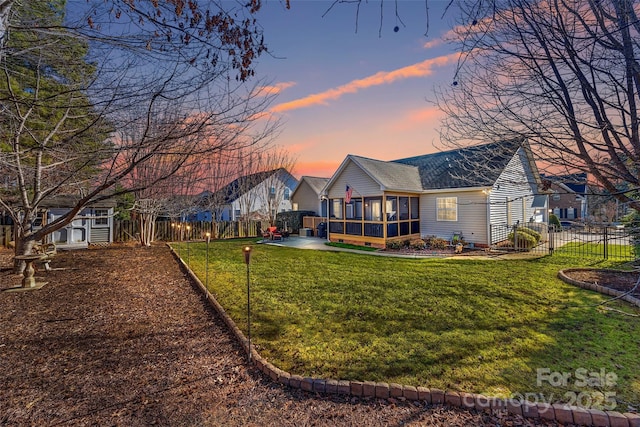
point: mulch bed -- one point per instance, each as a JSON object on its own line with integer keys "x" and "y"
{"x": 120, "y": 336}
{"x": 623, "y": 281}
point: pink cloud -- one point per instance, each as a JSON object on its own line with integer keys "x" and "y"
{"x": 320, "y": 168}
{"x": 420, "y": 69}
{"x": 419, "y": 117}
{"x": 433, "y": 43}
{"x": 277, "y": 88}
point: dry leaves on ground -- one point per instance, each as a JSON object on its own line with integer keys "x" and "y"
{"x": 120, "y": 336}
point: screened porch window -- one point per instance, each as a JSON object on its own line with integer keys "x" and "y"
{"x": 336, "y": 208}
{"x": 373, "y": 209}
{"x": 353, "y": 209}
{"x": 447, "y": 208}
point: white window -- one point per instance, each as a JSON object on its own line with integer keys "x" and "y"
{"x": 286, "y": 194}
{"x": 447, "y": 208}
{"x": 101, "y": 217}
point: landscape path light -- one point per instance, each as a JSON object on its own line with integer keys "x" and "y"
{"x": 247, "y": 260}
{"x": 188, "y": 239}
{"x": 179, "y": 239}
{"x": 208, "y": 236}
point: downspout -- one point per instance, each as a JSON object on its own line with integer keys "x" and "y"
{"x": 488, "y": 222}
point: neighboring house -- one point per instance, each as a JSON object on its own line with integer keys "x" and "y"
{"x": 92, "y": 225}
{"x": 258, "y": 196}
{"x": 467, "y": 191}
{"x": 308, "y": 195}
{"x": 567, "y": 195}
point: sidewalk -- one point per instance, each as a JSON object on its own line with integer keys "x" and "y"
{"x": 301, "y": 243}
{"x": 318, "y": 243}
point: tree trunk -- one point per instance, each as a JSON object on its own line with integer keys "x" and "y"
{"x": 23, "y": 246}
{"x": 147, "y": 228}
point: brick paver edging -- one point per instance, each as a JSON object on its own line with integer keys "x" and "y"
{"x": 564, "y": 414}
{"x": 562, "y": 275}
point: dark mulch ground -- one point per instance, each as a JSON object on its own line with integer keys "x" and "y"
{"x": 619, "y": 280}
{"x": 119, "y": 336}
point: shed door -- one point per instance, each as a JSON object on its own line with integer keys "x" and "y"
{"x": 74, "y": 233}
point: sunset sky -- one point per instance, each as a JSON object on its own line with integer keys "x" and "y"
{"x": 345, "y": 92}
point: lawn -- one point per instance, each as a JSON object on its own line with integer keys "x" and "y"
{"x": 481, "y": 326}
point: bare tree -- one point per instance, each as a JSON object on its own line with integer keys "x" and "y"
{"x": 221, "y": 169}
{"x": 86, "y": 104}
{"x": 278, "y": 166}
{"x": 563, "y": 75}
{"x": 249, "y": 175}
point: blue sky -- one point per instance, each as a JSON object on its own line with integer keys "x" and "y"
{"x": 364, "y": 93}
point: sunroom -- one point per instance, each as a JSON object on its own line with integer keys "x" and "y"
{"x": 372, "y": 202}
{"x": 374, "y": 220}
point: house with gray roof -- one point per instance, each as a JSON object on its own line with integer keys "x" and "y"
{"x": 256, "y": 196}
{"x": 568, "y": 198}
{"x": 466, "y": 192}
{"x": 307, "y": 195}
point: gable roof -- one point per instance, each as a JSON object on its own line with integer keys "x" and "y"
{"x": 246, "y": 183}
{"x": 576, "y": 182}
{"x": 477, "y": 166}
{"x": 314, "y": 182}
{"x": 389, "y": 175}
{"x": 70, "y": 200}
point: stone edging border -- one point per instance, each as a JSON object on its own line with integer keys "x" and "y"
{"x": 562, "y": 275}
{"x": 563, "y": 414}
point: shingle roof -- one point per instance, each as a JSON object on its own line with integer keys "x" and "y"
{"x": 69, "y": 201}
{"x": 476, "y": 166}
{"x": 576, "y": 182}
{"x": 316, "y": 183}
{"x": 243, "y": 184}
{"x": 390, "y": 175}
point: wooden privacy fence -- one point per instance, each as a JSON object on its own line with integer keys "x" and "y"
{"x": 125, "y": 231}
{"x": 6, "y": 235}
{"x": 196, "y": 230}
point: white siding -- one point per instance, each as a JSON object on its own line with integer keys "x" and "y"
{"x": 255, "y": 201}
{"x": 361, "y": 183}
{"x": 512, "y": 194}
{"x": 472, "y": 216}
{"x": 100, "y": 235}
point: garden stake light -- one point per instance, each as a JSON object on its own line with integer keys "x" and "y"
{"x": 207, "y": 262}
{"x": 188, "y": 250}
{"x": 247, "y": 260}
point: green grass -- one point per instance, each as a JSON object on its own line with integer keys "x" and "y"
{"x": 614, "y": 252}
{"x": 482, "y": 326}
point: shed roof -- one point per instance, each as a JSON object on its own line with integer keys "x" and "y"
{"x": 69, "y": 201}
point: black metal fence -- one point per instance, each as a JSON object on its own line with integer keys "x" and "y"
{"x": 602, "y": 241}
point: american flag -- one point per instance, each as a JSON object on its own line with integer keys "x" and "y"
{"x": 347, "y": 194}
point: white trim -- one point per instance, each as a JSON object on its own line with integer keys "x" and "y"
{"x": 446, "y": 208}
